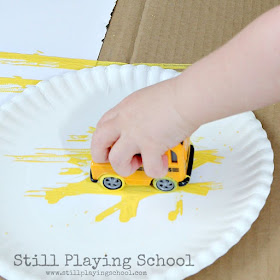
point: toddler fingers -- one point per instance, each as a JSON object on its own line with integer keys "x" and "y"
{"x": 111, "y": 114}
{"x": 102, "y": 139}
{"x": 123, "y": 159}
{"x": 155, "y": 164}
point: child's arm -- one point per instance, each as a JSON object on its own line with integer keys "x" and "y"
{"x": 242, "y": 75}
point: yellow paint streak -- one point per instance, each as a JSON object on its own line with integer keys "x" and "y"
{"x": 197, "y": 139}
{"x": 82, "y": 157}
{"x": 18, "y": 84}
{"x": 78, "y": 157}
{"x": 15, "y": 84}
{"x": 172, "y": 216}
{"x": 40, "y": 60}
{"x": 130, "y": 196}
{"x": 78, "y": 138}
{"x": 206, "y": 156}
{"x": 91, "y": 130}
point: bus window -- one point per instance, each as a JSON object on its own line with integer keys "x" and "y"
{"x": 173, "y": 157}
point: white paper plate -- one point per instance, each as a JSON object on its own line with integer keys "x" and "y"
{"x": 38, "y": 128}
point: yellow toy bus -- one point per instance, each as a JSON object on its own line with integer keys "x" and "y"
{"x": 180, "y": 162}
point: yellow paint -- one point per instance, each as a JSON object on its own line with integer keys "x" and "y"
{"x": 78, "y": 157}
{"x": 51, "y": 226}
{"x": 15, "y": 84}
{"x": 78, "y": 138}
{"x": 91, "y": 130}
{"x": 67, "y": 225}
{"x": 6, "y": 233}
{"x": 197, "y": 139}
{"x": 18, "y": 84}
{"x": 130, "y": 196}
{"x": 206, "y": 156}
{"x": 172, "y": 216}
{"x": 39, "y": 60}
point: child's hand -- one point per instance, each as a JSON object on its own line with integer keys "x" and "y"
{"x": 148, "y": 123}
{"x": 240, "y": 76}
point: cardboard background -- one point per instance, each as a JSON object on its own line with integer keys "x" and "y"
{"x": 183, "y": 31}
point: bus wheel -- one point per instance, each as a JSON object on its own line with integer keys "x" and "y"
{"x": 164, "y": 184}
{"x": 112, "y": 183}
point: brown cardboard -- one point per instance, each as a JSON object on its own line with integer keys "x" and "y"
{"x": 122, "y": 31}
{"x": 183, "y": 31}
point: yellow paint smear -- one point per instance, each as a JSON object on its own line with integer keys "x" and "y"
{"x": 130, "y": 196}
{"x": 91, "y": 130}
{"x": 172, "y": 216}
{"x": 40, "y": 60}
{"x": 15, "y": 84}
{"x": 206, "y": 156}
{"x": 78, "y": 138}
{"x": 197, "y": 139}
{"x": 18, "y": 84}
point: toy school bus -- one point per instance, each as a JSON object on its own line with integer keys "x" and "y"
{"x": 180, "y": 162}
